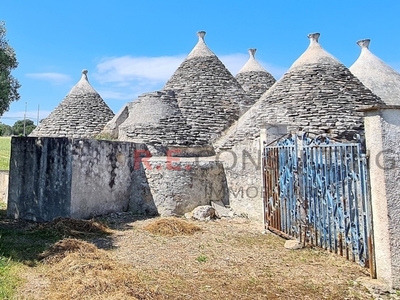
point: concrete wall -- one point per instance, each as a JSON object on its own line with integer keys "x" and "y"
{"x": 242, "y": 164}
{"x": 382, "y": 132}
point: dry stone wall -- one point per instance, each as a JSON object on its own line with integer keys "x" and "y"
{"x": 82, "y": 178}
{"x": 179, "y": 185}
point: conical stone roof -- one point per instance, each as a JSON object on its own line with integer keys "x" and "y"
{"x": 156, "y": 120}
{"x": 318, "y": 94}
{"x": 208, "y": 95}
{"x": 253, "y": 78}
{"x": 375, "y": 74}
{"x": 82, "y": 114}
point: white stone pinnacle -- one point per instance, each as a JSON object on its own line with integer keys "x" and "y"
{"x": 201, "y": 48}
{"x": 83, "y": 86}
{"x": 364, "y": 44}
{"x": 314, "y": 37}
{"x": 84, "y": 74}
{"x": 376, "y": 75}
{"x": 314, "y": 54}
{"x": 252, "y": 65}
{"x": 201, "y": 35}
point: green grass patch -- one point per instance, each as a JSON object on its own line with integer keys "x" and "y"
{"x": 5, "y": 152}
{"x": 9, "y": 279}
{"x": 21, "y": 242}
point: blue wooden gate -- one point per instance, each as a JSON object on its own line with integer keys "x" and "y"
{"x": 317, "y": 190}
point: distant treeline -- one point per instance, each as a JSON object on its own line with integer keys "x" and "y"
{"x": 17, "y": 128}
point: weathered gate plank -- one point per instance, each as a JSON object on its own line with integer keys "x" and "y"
{"x": 316, "y": 190}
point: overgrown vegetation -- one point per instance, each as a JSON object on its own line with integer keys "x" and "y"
{"x": 104, "y": 136}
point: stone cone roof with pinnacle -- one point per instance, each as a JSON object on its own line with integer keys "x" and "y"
{"x": 375, "y": 74}
{"x": 82, "y": 114}
{"x": 156, "y": 120}
{"x": 254, "y": 79}
{"x": 208, "y": 95}
{"x": 318, "y": 94}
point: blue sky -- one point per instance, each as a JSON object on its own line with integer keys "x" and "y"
{"x": 131, "y": 47}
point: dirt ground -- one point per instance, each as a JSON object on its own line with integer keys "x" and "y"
{"x": 225, "y": 259}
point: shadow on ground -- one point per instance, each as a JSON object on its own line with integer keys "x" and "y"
{"x": 23, "y": 241}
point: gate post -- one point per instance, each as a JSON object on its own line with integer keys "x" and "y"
{"x": 269, "y": 134}
{"x": 382, "y": 133}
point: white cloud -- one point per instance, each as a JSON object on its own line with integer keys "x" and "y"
{"x": 126, "y": 77}
{"x": 128, "y": 68}
{"x": 54, "y": 78}
{"x": 234, "y": 62}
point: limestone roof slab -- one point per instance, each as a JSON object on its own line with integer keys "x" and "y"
{"x": 375, "y": 74}
{"x": 254, "y": 78}
{"x": 318, "y": 94}
{"x": 81, "y": 114}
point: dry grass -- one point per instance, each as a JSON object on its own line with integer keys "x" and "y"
{"x": 61, "y": 249}
{"x": 80, "y": 270}
{"x": 228, "y": 259}
{"x": 171, "y": 227}
{"x": 76, "y": 228}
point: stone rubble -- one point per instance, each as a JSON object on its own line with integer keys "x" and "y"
{"x": 203, "y": 213}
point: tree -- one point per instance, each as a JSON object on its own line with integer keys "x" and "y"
{"x": 18, "y": 127}
{"x": 5, "y": 130}
{"x": 8, "y": 84}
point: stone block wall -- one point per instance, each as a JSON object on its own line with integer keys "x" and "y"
{"x": 82, "y": 178}
{"x": 101, "y": 180}
{"x": 78, "y": 178}
{"x": 179, "y": 185}
{"x": 40, "y": 178}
